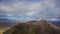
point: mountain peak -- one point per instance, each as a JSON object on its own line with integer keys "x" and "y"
{"x": 34, "y": 27}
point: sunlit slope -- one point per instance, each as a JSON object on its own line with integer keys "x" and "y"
{"x": 2, "y": 30}
{"x": 34, "y": 27}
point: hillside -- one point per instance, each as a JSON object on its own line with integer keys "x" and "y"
{"x": 2, "y": 30}
{"x": 34, "y": 27}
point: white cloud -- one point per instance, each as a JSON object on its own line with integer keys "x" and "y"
{"x": 6, "y": 8}
{"x": 30, "y": 13}
{"x": 38, "y": 9}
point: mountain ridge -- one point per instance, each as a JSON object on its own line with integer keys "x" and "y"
{"x": 38, "y": 27}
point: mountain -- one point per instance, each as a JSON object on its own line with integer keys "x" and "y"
{"x": 6, "y": 23}
{"x": 54, "y": 20}
{"x": 34, "y": 27}
{"x": 9, "y": 23}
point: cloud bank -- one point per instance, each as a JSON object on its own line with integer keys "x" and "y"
{"x": 32, "y": 8}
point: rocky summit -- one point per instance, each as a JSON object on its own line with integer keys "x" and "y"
{"x": 34, "y": 27}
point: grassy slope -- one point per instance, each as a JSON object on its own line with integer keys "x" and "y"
{"x": 39, "y": 27}
{"x": 2, "y": 30}
{"x": 31, "y": 29}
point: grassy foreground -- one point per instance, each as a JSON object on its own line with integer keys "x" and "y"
{"x": 3, "y": 30}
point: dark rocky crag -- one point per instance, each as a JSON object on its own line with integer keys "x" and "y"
{"x": 34, "y": 27}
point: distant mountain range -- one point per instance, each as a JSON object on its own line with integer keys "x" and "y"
{"x": 8, "y": 22}
{"x": 57, "y": 23}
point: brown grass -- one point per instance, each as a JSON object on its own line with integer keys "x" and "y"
{"x": 3, "y": 30}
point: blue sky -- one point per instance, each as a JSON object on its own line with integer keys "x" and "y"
{"x": 30, "y": 9}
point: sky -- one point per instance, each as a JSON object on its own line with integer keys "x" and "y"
{"x": 29, "y": 9}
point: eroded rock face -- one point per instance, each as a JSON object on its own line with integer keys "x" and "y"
{"x": 38, "y": 27}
